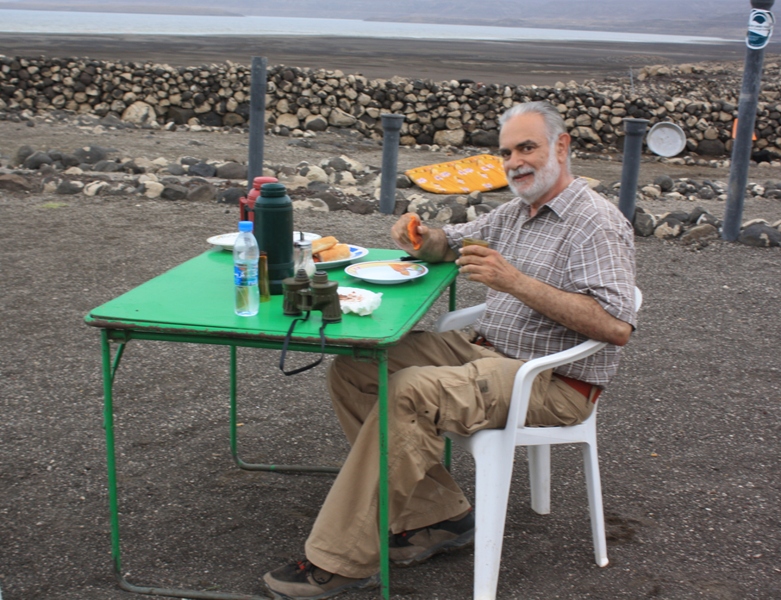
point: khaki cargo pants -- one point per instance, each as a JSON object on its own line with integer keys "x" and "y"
{"x": 468, "y": 390}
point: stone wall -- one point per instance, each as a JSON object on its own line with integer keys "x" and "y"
{"x": 702, "y": 99}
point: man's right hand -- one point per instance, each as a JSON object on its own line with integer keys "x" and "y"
{"x": 434, "y": 247}
{"x": 400, "y": 233}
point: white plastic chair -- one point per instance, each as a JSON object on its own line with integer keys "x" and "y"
{"x": 494, "y": 453}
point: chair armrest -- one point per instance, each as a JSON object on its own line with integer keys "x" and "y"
{"x": 524, "y": 378}
{"x": 459, "y": 319}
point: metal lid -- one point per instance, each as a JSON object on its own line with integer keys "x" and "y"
{"x": 272, "y": 190}
{"x": 666, "y": 139}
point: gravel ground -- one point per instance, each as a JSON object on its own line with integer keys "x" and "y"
{"x": 689, "y": 430}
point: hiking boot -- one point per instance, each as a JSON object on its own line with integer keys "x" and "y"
{"x": 413, "y": 547}
{"x": 304, "y": 581}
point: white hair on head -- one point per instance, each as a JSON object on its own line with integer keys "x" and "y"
{"x": 554, "y": 122}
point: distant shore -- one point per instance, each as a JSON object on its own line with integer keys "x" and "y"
{"x": 523, "y": 63}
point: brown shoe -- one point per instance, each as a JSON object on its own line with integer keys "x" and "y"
{"x": 413, "y": 547}
{"x": 304, "y": 581}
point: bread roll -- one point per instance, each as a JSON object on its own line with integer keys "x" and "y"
{"x": 336, "y": 252}
{"x": 323, "y": 243}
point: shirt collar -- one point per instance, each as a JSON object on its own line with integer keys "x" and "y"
{"x": 562, "y": 203}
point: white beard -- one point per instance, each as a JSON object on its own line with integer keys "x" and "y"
{"x": 544, "y": 179}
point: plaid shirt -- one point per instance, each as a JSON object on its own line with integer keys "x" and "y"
{"x": 578, "y": 242}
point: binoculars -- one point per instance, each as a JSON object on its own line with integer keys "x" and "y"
{"x": 300, "y": 294}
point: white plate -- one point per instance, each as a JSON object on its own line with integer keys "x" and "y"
{"x": 666, "y": 139}
{"x": 226, "y": 240}
{"x": 387, "y": 271}
{"x": 356, "y": 252}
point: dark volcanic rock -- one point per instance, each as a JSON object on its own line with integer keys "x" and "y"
{"x": 202, "y": 169}
{"x": 68, "y": 187}
{"x": 484, "y": 138}
{"x": 22, "y": 153}
{"x": 760, "y": 235}
{"x": 90, "y": 154}
{"x": 711, "y": 148}
{"x": 36, "y": 160}
{"x": 644, "y": 224}
{"x": 231, "y": 170}
{"x": 174, "y": 191}
{"x": 202, "y": 193}
{"x": 665, "y": 183}
{"x": 231, "y": 196}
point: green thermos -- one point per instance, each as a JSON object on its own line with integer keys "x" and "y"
{"x": 274, "y": 232}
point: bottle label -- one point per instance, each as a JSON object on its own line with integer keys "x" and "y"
{"x": 245, "y": 275}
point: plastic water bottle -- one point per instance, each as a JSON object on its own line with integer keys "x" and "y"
{"x": 245, "y": 271}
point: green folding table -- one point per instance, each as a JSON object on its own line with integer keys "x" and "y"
{"x": 193, "y": 303}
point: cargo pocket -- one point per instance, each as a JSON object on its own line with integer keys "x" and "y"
{"x": 477, "y": 398}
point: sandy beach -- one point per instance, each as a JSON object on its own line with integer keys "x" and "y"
{"x": 523, "y": 63}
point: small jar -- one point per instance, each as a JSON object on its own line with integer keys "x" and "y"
{"x": 303, "y": 257}
{"x": 265, "y": 294}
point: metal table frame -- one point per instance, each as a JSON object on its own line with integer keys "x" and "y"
{"x": 116, "y": 326}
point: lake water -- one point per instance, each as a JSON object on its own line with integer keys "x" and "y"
{"x": 31, "y": 21}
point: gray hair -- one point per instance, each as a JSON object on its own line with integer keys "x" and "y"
{"x": 554, "y": 123}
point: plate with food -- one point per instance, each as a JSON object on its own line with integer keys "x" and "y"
{"x": 226, "y": 240}
{"x": 386, "y": 271}
{"x": 328, "y": 253}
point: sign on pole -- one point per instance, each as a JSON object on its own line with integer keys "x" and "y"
{"x": 760, "y": 28}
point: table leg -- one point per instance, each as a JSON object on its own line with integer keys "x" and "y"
{"x": 108, "y": 426}
{"x": 384, "y": 503}
{"x": 109, "y": 372}
{"x": 234, "y": 442}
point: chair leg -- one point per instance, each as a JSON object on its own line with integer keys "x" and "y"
{"x": 494, "y": 465}
{"x": 594, "y": 490}
{"x": 539, "y": 477}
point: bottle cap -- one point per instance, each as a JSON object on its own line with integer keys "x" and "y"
{"x": 245, "y": 226}
{"x": 272, "y": 190}
{"x": 261, "y": 179}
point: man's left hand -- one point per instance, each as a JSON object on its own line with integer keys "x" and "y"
{"x": 488, "y": 267}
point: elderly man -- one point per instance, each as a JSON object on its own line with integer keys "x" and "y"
{"x": 559, "y": 267}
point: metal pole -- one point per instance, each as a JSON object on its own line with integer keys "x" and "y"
{"x": 391, "y": 125}
{"x": 257, "y": 118}
{"x": 760, "y": 29}
{"x": 633, "y": 148}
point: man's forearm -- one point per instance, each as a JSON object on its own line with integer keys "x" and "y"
{"x": 577, "y": 312}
